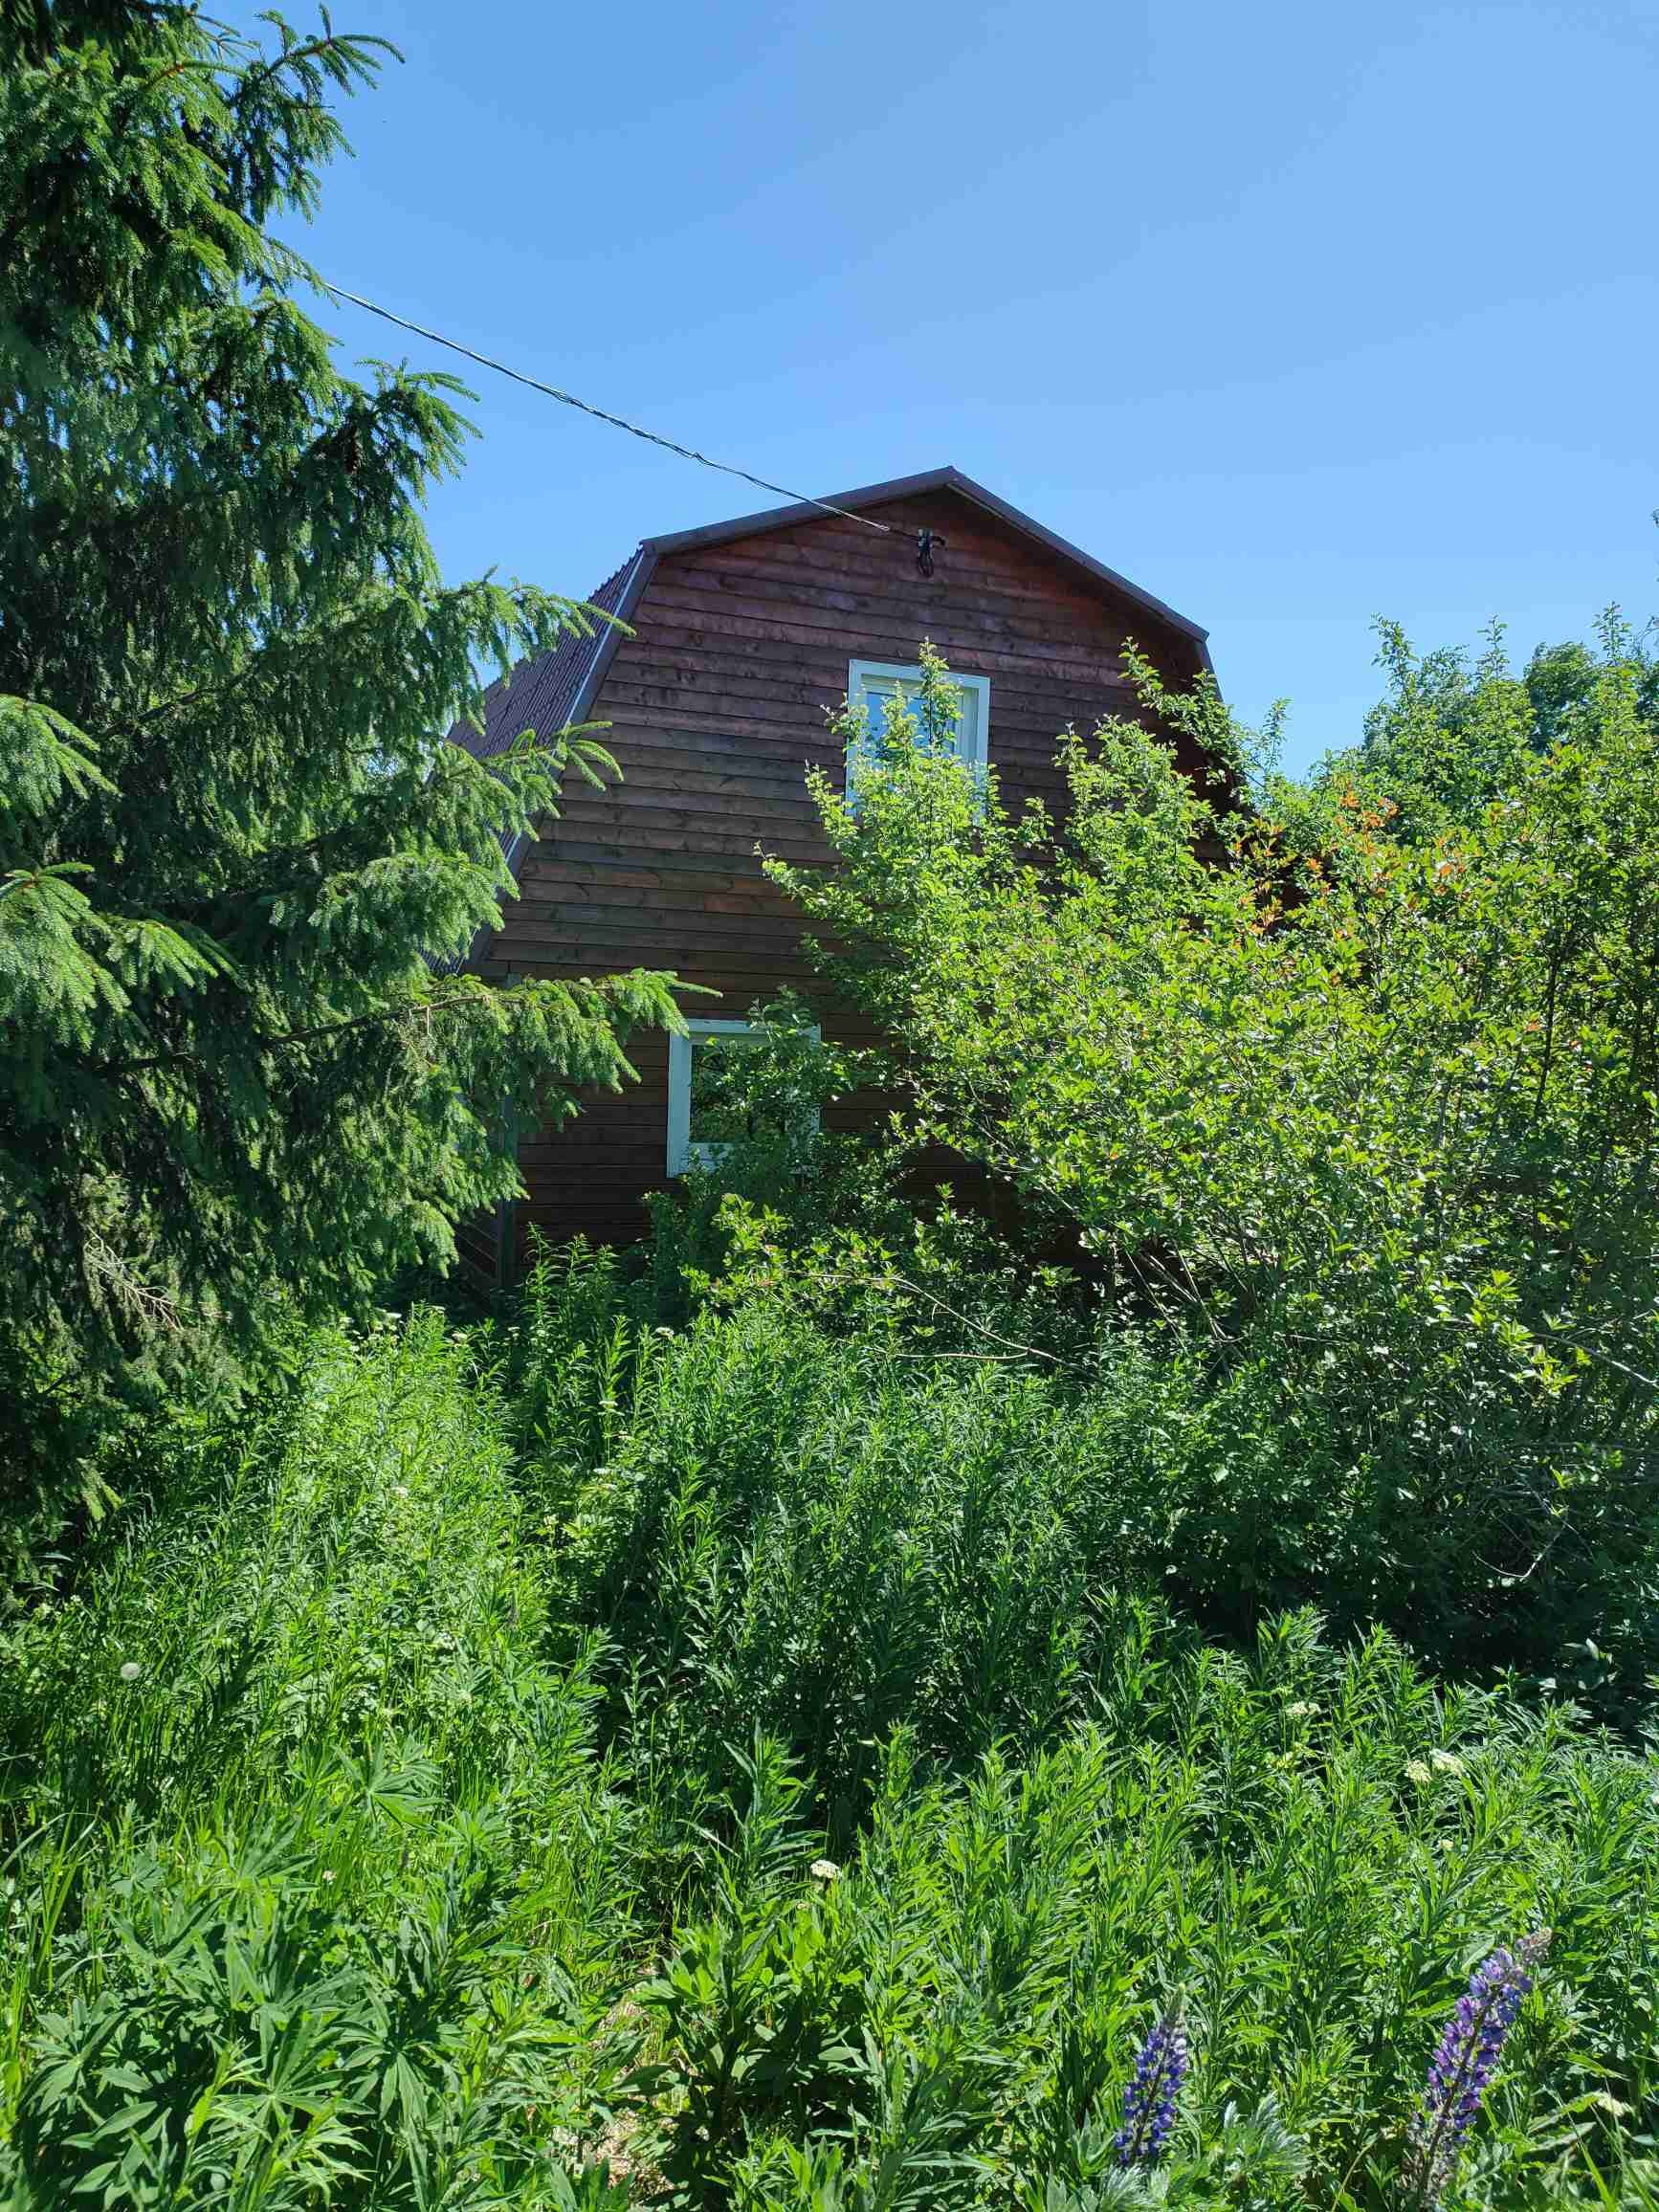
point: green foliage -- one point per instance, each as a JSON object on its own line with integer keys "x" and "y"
{"x": 724, "y": 1736}
{"x": 759, "y": 1107}
{"x": 981, "y": 1977}
{"x": 1361, "y": 1124}
{"x": 317, "y": 1890}
{"x": 821, "y": 1534}
{"x": 344, "y": 1865}
{"x": 1454, "y": 734}
{"x": 230, "y": 831}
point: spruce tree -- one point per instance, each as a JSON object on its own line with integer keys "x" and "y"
{"x": 240, "y": 1078}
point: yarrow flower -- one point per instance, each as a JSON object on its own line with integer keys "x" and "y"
{"x": 823, "y": 1871}
{"x": 1149, "y": 2100}
{"x": 1465, "y": 2062}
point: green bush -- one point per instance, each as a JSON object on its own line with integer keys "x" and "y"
{"x": 822, "y": 1536}
{"x": 817, "y": 1527}
{"x": 1357, "y": 1120}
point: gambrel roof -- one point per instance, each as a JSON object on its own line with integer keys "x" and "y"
{"x": 545, "y": 693}
{"x": 560, "y": 687}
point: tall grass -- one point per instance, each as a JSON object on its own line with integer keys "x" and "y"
{"x": 746, "y": 1766}
{"x": 316, "y": 1887}
{"x": 825, "y": 1536}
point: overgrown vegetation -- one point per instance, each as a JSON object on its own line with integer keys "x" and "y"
{"x": 773, "y": 1797}
{"x": 1128, "y": 1680}
{"x": 1357, "y": 1125}
{"x": 816, "y": 1716}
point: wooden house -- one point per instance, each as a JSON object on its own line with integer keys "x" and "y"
{"x": 739, "y": 637}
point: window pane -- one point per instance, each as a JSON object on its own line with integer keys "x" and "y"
{"x": 879, "y": 690}
{"x": 968, "y": 723}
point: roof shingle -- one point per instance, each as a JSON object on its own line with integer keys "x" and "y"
{"x": 541, "y": 695}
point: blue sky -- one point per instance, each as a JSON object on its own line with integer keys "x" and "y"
{"x": 1296, "y": 315}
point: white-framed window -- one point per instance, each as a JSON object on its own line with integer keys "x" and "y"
{"x": 703, "y": 1125}
{"x": 874, "y": 683}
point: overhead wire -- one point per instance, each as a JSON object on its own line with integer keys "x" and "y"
{"x": 599, "y": 413}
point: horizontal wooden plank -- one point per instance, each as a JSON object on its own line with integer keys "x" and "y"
{"x": 728, "y": 989}
{"x": 719, "y": 691}
{"x": 625, "y": 803}
{"x": 624, "y": 1162}
{"x": 967, "y": 601}
{"x": 661, "y": 749}
{"x": 634, "y": 873}
{"x": 964, "y": 568}
{"x": 576, "y": 843}
{"x": 746, "y": 896}
{"x": 703, "y": 823}
{"x": 686, "y": 763}
{"x": 585, "y": 1198}
{"x": 807, "y": 682}
{"x": 551, "y": 922}
{"x": 573, "y": 888}
{"x": 683, "y": 619}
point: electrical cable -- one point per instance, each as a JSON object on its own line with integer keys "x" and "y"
{"x": 599, "y": 413}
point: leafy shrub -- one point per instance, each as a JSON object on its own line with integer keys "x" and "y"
{"x": 1361, "y": 1124}
{"x": 822, "y": 1536}
{"x": 819, "y": 1530}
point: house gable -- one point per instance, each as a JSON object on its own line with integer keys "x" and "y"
{"x": 564, "y": 686}
{"x": 872, "y": 499}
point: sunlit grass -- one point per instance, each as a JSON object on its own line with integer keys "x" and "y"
{"x": 418, "y": 1804}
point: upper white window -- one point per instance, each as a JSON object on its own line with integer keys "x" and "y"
{"x": 872, "y": 683}
{"x": 704, "y": 1116}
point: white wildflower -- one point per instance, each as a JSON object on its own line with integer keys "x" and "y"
{"x": 1446, "y": 1763}
{"x": 825, "y": 1870}
{"x": 1417, "y": 1770}
{"x": 1303, "y": 1708}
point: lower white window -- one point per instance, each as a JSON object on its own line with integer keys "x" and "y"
{"x": 874, "y": 684}
{"x": 705, "y": 1119}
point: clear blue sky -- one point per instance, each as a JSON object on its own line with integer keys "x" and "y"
{"x": 1296, "y": 314}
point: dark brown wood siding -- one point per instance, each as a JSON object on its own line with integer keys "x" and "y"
{"x": 717, "y": 706}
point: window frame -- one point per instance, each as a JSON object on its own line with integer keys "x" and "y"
{"x": 899, "y": 672}
{"x": 682, "y": 1154}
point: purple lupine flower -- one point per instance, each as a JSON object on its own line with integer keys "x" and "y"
{"x": 1466, "y": 2061}
{"x": 1149, "y": 2100}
